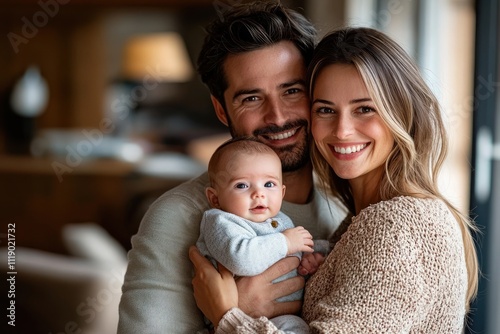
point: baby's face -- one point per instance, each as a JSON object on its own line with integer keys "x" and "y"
{"x": 251, "y": 186}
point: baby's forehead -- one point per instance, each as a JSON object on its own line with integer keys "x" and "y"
{"x": 234, "y": 159}
{"x": 240, "y": 166}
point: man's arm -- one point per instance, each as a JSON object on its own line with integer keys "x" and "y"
{"x": 257, "y": 294}
{"x": 157, "y": 293}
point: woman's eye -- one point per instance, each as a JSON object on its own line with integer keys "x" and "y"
{"x": 365, "y": 110}
{"x": 269, "y": 184}
{"x": 241, "y": 186}
{"x": 324, "y": 110}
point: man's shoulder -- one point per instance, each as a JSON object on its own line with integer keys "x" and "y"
{"x": 184, "y": 204}
{"x": 190, "y": 192}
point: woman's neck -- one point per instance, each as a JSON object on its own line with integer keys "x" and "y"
{"x": 365, "y": 191}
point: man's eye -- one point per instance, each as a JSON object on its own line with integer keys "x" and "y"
{"x": 293, "y": 91}
{"x": 269, "y": 184}
{"x": 250, "y": 99}
{"x": 241, "y": 186}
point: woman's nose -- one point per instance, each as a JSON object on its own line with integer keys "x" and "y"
{"x": 343, "y": 127}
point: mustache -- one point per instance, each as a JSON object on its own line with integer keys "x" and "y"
{"x": 272, "y": 129}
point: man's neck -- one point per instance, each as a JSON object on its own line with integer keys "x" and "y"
{"x": 298, "y": 185}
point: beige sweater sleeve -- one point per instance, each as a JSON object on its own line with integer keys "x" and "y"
{"x": 398, "y": 269}
{"x": 375, "y": 279}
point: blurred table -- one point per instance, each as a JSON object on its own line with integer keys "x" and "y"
{"x": 40, "y": 195}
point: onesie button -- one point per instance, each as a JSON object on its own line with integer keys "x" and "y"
{"x": 274, "y": 223}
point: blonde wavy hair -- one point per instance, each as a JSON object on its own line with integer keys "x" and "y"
{"x": 411, "y": 111}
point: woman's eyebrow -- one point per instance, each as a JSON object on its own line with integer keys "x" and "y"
{"x": 353, "y": 101}
{"x": 323, "y": 101}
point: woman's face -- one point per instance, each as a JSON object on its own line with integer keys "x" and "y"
{"x": 347, "y": 127}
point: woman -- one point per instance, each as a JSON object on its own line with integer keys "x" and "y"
{"x": 407, "y": 262}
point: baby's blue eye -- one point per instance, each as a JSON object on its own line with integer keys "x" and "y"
{"x": 269, "y": 184}
{"x": 241, "y": 186}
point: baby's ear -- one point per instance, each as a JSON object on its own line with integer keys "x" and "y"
{"x": 284, "y": 190}
{"x": 212, "y": 197}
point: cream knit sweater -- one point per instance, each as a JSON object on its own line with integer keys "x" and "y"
{"x": 399, "y": 268}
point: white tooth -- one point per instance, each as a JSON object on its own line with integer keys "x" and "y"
{"x": 283, "y": 135}
{"x": 349, "y": 150}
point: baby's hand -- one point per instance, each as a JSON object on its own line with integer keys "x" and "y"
{"x": 310, "y": 263}
{"x": 298, "y": 239}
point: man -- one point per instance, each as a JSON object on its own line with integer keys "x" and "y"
{"x": 253, "y": 62}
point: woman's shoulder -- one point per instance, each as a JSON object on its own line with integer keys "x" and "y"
{"x": 415, "y": 217}
{"x": 403, "y": 208}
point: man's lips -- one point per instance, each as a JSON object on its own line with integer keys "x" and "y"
{"x": 283, "y": 135}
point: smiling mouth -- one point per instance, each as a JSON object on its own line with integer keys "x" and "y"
{"x": 281, "y": 136}
{"x": 349, "y": 149}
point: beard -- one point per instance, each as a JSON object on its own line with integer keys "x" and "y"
{"x": 293, "y": 157}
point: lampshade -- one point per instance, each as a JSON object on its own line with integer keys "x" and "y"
{"x": 162, "y": 55}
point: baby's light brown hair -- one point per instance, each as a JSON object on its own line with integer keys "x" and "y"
{"x": 220, "y": 161}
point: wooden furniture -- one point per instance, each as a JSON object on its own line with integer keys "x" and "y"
{"x": 107, "y": 192}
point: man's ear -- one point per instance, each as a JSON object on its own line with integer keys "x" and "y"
{"x": 219, "y": 110}
{"x": 284, "y": 190}
{"x": 212, "y": 197}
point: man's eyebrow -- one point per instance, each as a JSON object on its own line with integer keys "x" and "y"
{"x": 245, "y": 92}
{"x": 293, "y": 83}
{"x": 257, "y": 90}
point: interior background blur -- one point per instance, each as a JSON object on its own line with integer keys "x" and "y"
{"x": 111, "y": 126}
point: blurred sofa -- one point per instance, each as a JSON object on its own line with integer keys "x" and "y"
{"x": 78, "y": 293}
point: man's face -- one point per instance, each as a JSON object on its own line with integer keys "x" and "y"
{"x": 266, "y": 98}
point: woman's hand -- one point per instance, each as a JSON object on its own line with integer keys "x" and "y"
{"x": 215, "y": 291}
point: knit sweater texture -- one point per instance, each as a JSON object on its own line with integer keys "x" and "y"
{"x": 399, "y": 268}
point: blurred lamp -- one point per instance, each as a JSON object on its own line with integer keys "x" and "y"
{"x": 162, "y": 55}
{"x": 30, "y": 94}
